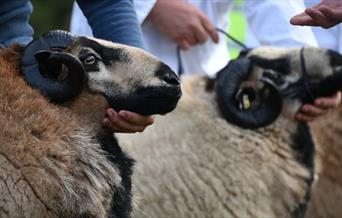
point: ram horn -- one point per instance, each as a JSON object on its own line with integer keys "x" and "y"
{"x": 229, "y": 80}
{"x": 43, "y": 61}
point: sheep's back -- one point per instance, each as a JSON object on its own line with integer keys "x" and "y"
{"x": 50, "y": 166}
{"x": 192, "y": 163}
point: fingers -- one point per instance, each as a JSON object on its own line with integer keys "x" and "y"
{"x": 198, "y": 33}
{"x": 327, "y": 12}
{"x": 334, "y": 16}
{"x": 303, "y": 20}
{"x": 329, "y": 102}
{"x": 135, "y": 118}
{"x": 321, "y": 106}
{"x": 201, "y": 35}
{"x": 319, "y": 18}
{"x": 210, "y": 28}
{"x": 183, "y": 44}
{"x": 304, "y": 117}
{"x": 318, "y": 15}
{"x": 309, "y": 113}
{"x": 126, "y": 122}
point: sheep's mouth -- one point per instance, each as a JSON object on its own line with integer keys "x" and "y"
{"x": 148, "y": 101}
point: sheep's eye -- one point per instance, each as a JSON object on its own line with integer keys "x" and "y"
{"x": 89, "y": 60}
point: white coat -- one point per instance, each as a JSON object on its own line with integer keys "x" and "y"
{"x": 209, "y": 58}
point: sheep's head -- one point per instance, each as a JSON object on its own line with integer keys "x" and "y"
{"x": 263, "y": 82}
{"x": 61, "y": 65}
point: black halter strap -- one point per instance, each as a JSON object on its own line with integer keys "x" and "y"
{"x": 305, "y": 76}
{"x": 178, "y": 52}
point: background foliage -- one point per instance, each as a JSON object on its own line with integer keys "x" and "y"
{"x": 50, "y": 14}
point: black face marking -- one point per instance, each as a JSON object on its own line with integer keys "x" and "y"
{"x": 335, "y": 58}
{"x": 281, "y": 64}
{"x": 108, "y": 55}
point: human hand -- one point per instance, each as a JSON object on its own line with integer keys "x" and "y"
{"x": 320, "y": 107}
{"x": 126, "y": 121}
{"x": 182, "y": 22}
{"x": 326, "y": 14}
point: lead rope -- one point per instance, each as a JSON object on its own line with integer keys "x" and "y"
{"x": 179, "y": 59}
{"x": 305, "y": 75}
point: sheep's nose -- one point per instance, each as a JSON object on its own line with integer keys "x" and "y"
{"x": 335, "y": 58}
{"x": 171, "y": 78}
{"x": 166, "y": 74}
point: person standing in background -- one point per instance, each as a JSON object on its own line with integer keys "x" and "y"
{"x": 190, "y": 25}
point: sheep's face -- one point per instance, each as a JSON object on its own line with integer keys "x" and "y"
{"x": 128, "y": 77}
{"x": 284, "y": 69}
{"x": 60, "y": 65}
{"x": 254, "y": 89}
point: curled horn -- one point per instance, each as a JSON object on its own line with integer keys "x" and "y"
{"x": 42, "y": 63}
{"x": 229, "y": 80}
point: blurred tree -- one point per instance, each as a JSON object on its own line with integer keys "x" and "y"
{"x": 48, "y": 15}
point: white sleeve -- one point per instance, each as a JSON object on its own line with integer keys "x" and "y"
{"x": 79, "y": 23}
{"x": 269, "y": 22}
{"x": 143, "y": 8}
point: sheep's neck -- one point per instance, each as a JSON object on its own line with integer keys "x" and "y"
{"x": 327, "y": 131}
{"x": 89, "y": 110}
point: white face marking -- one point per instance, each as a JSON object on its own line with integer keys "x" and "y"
{"x": 122, "y": 78}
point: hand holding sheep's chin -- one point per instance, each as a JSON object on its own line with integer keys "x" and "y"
{"x": 320, "y": 107}
{"x": 126, "y": 121}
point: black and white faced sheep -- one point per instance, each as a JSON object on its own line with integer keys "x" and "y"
{"x": 56, "y": 159}
{"x": 193, "y": 163}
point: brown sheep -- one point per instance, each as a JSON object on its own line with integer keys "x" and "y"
{"x": 56, "y": 159}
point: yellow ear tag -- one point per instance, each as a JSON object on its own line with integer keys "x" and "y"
{"x": 246, "y": 102}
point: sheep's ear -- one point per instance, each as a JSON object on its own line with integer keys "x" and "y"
{"x": 244, "y": 52}
{"x": 281, "y": 64}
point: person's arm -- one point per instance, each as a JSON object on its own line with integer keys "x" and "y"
{"x": 113, "y": 20}
{"x": 116, "y": 21}
{"x": 269, "y": 22}
{"x": 14, "y": 17}
{"x": 326, "y": 14}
